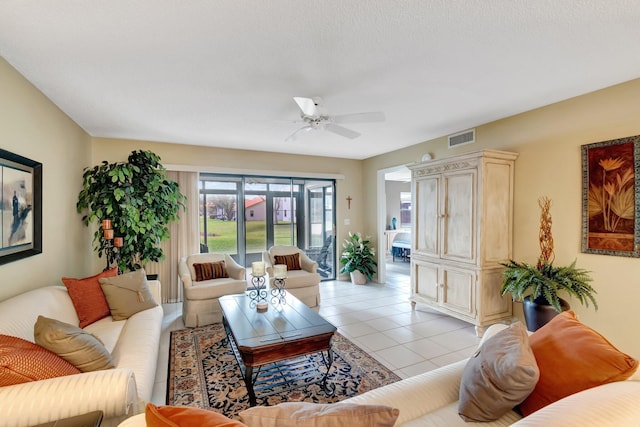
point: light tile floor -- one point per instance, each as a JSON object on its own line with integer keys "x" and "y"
{"x": 376, "y": 317}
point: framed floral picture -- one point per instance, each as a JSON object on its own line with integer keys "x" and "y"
{"x": 20, "y": 207}
{"x": 610, "y": 197}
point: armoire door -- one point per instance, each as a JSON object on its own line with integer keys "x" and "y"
{"x": 458, "y": 230}
{"x": 427, "y": 212}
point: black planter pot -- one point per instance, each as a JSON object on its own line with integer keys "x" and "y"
{"x": 539, "y": 312}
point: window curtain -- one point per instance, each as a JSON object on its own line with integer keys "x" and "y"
{"x": 183, "y": 241}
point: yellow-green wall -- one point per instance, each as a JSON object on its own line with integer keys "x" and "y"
{"x": 548, "y": 140}
{"x": 179, "y": 156}
{"x": 33, "y": 127}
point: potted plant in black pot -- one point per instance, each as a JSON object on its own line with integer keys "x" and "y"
{"x": 137, "y": 201}
{"x": 539, "y": 286}
{"x": 358, "y": 259}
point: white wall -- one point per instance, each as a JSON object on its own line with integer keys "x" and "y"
{"x": 392, "y": 194}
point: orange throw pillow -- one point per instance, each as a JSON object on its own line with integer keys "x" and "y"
{"x": 88, "y": 298}
{"x": 184, "y": 416}
{"x": 22, "y": 361}
{"x": 210, "y": 270}
{"x": 572, "y": 357}
{"x": 291, "y": 261}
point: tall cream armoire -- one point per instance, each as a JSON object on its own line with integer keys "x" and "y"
{"x": 462, "y": 231}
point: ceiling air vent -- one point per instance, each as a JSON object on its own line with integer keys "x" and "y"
{"x": 462, "y": 138}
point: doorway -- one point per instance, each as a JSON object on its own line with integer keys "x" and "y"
{"x": 394, "y": 222}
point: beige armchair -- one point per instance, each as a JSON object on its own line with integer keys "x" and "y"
{"x": 303, "y": 283}
{"x": 200, "y": 304}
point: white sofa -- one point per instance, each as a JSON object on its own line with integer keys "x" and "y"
{"x": 120, "y": 392}
{"x": 431, "y": 399}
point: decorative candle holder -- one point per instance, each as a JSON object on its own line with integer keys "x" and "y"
{"x": 258, "y": 290}
{"x": 262, "y": 306}
{"x": 278, "y": 292}
{"x": 112, "y": 244}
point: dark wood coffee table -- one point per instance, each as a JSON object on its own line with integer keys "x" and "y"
{"x": 284, "y": 332}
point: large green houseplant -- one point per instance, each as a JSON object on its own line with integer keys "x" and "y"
{"x": 539, "y": 286}
{"x": 140, "y": 201}
{"x": 358, "y": 256}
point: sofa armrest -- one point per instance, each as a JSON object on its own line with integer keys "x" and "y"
{"x": 184, "y": 273}
{"x": 235, "y": 270}
{"x": 614, "y": 404}
{"x": 112, "y": 391}
{"x": 307, "y": 263}
{"x": 268, "y": 265}
{"x": 418, "y": 395}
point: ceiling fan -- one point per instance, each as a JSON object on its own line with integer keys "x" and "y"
{"x": 316, "y": 117}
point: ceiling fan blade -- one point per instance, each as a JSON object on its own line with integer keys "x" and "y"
{"x": 294, "y": 136}
{"x": 307, "y": 105}
{"x": 342, "y": 131}
{"x": 374, "y": 116}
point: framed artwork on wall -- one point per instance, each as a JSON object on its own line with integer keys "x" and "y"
{"x": 610, "y": 197}
{"x": 20, "y": 207}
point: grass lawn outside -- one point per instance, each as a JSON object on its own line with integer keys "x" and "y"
{"x": 222, "y": 235}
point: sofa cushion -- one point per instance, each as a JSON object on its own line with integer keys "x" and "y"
{"x": 292, "y": 261}
{"x": 88, "y": 298}
{"x": 306, "y": 414}
{"x": 210, "y": 270}
{"x": 22, "y": 361}
{"x": 83, "y": 350}
{"x": 573, "y": 357}
{"x": 127, "y": 294}
{"x": 174, "y": 416}
{"x": 500, "y": 375}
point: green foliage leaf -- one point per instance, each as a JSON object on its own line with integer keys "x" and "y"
{"x": 547, "y": 280}
{"x": 358, "y": 254}
{"x": 119, "y": 192}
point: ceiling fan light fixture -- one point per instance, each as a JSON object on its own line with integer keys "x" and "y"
{"x": 316, "y": 117}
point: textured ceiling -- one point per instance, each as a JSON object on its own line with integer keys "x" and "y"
{"x": 223, "y": 72}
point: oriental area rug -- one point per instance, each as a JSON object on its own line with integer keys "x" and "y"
{"x": 203, "y": 372}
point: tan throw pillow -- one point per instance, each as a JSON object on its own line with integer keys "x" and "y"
{"x": 22, "y": 361}
{"x": 88, "y": 298}
{"x": 83, "y": 350}
{"x": 291, "y": 261}
{"x": 210, "y": 270}
{"x": 573, "y": 357}
{"x": 500, "y": 375}
{"x": 305, "y": 414}
{"x": 127, "y": 294}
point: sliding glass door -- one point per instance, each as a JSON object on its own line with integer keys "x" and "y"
{"x": 245, "y": 215}
{"x": 321, "y": 230}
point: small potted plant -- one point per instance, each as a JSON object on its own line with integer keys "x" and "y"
{"x": 358, "y": 259}
{"x": 538, "y": 286}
